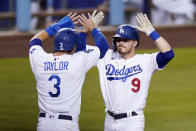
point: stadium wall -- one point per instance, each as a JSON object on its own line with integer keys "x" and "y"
{"x": 15, "y": 44}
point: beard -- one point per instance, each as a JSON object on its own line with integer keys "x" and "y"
{"x": 123, "y": 50}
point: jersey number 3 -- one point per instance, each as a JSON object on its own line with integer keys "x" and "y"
{"x": 55, "y": 85}
{"x": 136, "y": 83}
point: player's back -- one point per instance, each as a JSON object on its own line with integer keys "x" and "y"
{"x": 60, "y": 78}
{"x": 59, "y": 81}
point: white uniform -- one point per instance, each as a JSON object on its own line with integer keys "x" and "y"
{"x": 124, "y": 85}
{"x": 59, "y": 83}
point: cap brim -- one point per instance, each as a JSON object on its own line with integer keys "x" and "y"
{"x": 117, "y": 36}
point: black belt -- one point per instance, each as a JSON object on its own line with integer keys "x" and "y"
{"x": 121, "y": 115}
{"x": 64, "y": 117}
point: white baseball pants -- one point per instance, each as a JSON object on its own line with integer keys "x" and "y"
{"x": 132, "y": 123}
{"x": 52, "y": 123}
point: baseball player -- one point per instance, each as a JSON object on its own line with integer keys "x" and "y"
{"x": 59, "y": 76}
{"x": 125, "y": 75}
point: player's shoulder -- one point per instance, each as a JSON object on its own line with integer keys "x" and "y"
{"x": 148, "y": 54}
{"x": 37, "y": 52}
{"x": 90, "y": 49}
{"x": 35, "y": 49}
{"x": 110, "y": 55}
{"x": 110, "y": 52}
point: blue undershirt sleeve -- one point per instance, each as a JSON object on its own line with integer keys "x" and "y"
{"x": 65, "y": 22}
{"x": 163, "y": 58}
{"x": 100, "y": 42}
{"x": 35, "y": 41}
{"x": 81, "y": 45}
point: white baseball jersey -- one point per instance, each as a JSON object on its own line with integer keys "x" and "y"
{"x": 125, "y": 83}
{"x": 59, "y": 79}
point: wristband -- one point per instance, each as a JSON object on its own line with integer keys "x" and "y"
{"x": 66, "y": 22}
{"x": 154, "y": 35}
{"x": 52, "y": 29}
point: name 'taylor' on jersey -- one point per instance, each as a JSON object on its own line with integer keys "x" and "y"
{"x": 55, "y": 66}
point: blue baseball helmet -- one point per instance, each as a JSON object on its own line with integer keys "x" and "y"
{"x": 65, "y": 39}
{"x": 127, "y": 32}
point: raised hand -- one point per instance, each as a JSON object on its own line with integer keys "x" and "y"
{"x": 98, "y": 17}
{"x": 144, "y": 24}
{"x": 74, "y": 17}
{"x": 87, "y": 23}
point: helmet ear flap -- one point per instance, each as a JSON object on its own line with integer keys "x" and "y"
{"x": 114, "y": 39}
{"x": 137, "y": 44}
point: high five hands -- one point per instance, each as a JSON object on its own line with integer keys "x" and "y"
{"x": 88, "y": 23}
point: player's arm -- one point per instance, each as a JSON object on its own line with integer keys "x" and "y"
{"x": 97, "y": 18}
{"x": 91, "y": 26}
{"x": 81, "y": 44}
{"x": 66, "y": 22}
{"x": 166, "y": 53}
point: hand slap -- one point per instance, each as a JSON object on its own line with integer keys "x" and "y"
{"x": 74, "y": 17}
{"x": 87, "y": 23}
{"x": 97, "y": 18}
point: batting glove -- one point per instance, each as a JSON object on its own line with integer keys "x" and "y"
{"x": 144, "y": 24}
{"x": 98, "y": 17}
